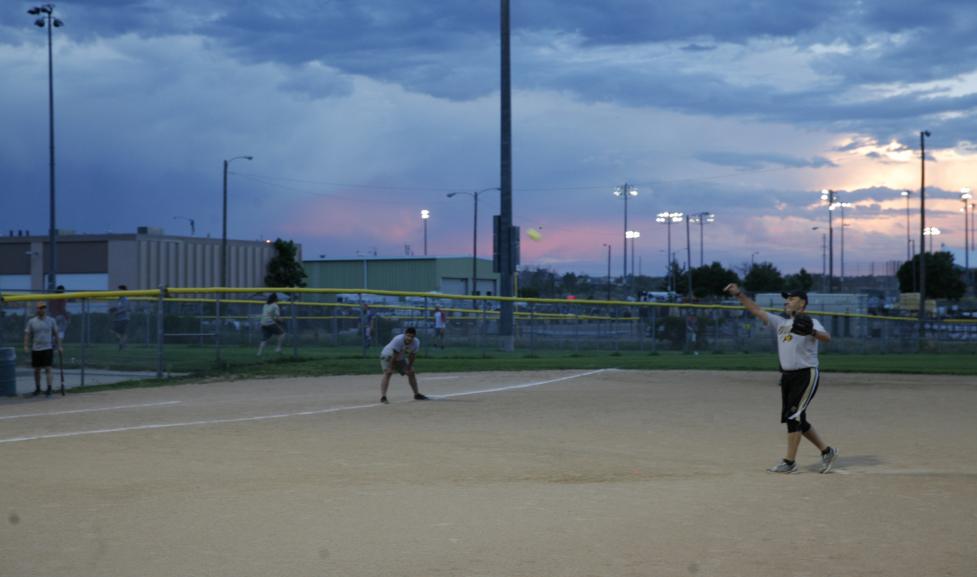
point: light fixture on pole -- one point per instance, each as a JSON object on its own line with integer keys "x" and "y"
{"x": 931, "y": 231}
{"x": 702, "y": 218}
{"x": 47, "y": 20}
{"x": 223, "y": 275}
{"x": 425, "y": 215}
{"x": 624, "y": 191}
{"x": 667, "y": 218}
{"x": 608, "y": 270}
{"x": 474, "y": 288}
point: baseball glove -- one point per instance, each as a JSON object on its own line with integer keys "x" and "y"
{"x": 803, "y": 325}
{"x": 401, "y": 367}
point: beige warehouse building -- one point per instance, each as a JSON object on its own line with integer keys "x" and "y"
{"x": 143, "y": 260}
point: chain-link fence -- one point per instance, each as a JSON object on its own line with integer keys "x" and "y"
{"x": 185, "y": 331}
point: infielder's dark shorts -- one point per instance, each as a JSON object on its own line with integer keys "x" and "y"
{"x": 120, "y": 327}
{"x": 41, "y": 359}
{"x": 268, "y": 331}
{"x": 797, "y": 389}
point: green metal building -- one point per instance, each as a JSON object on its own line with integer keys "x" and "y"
{"x": 419, "y": 274}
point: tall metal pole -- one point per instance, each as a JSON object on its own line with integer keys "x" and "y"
{"x": 671, "y": 281}
{"x": 842, "y": 282}
{"x": 47, "y": 19}
{"x": 688, "y": 253}
{"x": 223, "y": 275}
{"x": 608, "y": 270}
{"x": 702, "y": 246}
{"x": 909, "y": 255}
{"x": 922, "y": 227}
{"x": 625, "y": 252}
{"x": 474, "y": 289}
{"x": 506, "y": 242}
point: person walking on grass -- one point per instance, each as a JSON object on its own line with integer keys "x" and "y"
{"x": 40, "y": 339}
{"x": 399, "y": 355}
{"x": 798, "y": 336}
{"x": 271, "y": 323}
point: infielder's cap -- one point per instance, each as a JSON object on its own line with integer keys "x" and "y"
{"x": 799, "y": 294}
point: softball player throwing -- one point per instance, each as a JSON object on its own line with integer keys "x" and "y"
{"x": 797, "y": 347}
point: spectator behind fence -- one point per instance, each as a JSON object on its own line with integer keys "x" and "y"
{"x": 120, "y": 319}
{"x": 58, "y": 310}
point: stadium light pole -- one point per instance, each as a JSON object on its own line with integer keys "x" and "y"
{"x": 923, "y": 135}
{"x": 702, "y": 218}
{"x": 909, "y": 254}
{"x": 824, "y": 254}
{"x": 425, "y": 215}
{"x": 830, "y": 195}
{"x": 842, "y": 206}
{"x": 667, "y": 218}
{"x": 47, "y": 20}
{"x": 474, "y": 195}
{"x": 223, "y": 275}
{"x": 624, "y": 191}
{"x": 632, "y": 235}
{"x": 688, "y": 255}
{"x": 965, "y": 195}
{"x": 931, "y": 231}
{"x": 608, "y": 245}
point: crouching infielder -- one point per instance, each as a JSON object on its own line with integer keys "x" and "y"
{"x": 398, "y": 356}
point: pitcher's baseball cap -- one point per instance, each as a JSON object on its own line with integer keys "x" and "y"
{"x": 799, "y": 294}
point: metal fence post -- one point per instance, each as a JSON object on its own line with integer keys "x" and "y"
{"x": 532, "y": 328}
{"x": 654, "y": 329}
{"x": 217, "y": 326}
{"x": 84, "y": 339}
{"x": 295, "y": 326}
{"x": 159, "y": 331}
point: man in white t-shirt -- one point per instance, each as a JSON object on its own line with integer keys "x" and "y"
{"x": 440, "y": 326}
{"x": 40, "y": 339}
{"x": 399, "y": 356}
{"x": 798, "y": 336}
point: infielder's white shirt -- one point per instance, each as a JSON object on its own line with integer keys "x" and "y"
{"x": 270, "y": 313}
{"x": 795, "y": 351}
{"x": 439, "y": 320}
{"x": 398, "y": 345}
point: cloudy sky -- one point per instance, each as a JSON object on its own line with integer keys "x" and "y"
{"x": 361, "y": 113}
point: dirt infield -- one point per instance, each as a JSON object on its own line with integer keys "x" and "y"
{"x": 548, "y": 474}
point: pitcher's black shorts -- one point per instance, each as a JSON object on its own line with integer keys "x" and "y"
{"x": 797, "y": 389}
{"x": 41, "y": 359}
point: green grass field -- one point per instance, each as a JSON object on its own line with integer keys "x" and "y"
{"x": 195, "y": 364}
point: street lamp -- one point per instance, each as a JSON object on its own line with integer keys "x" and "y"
{"x": 932, "y": 231}
{"x": 702, "y": 218}
{"x": 224, "y": 219}
{"x": 193, "y": 225}
{"x": 752, "y": 262}
{"x": 667, "y": 218}
{"x": 47, "y": 20}
{"x": 624, "y": 191}
{"x": 425, "y": 214}
{"x": 608, "y": 270}
{"x": 474, "y": 195}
